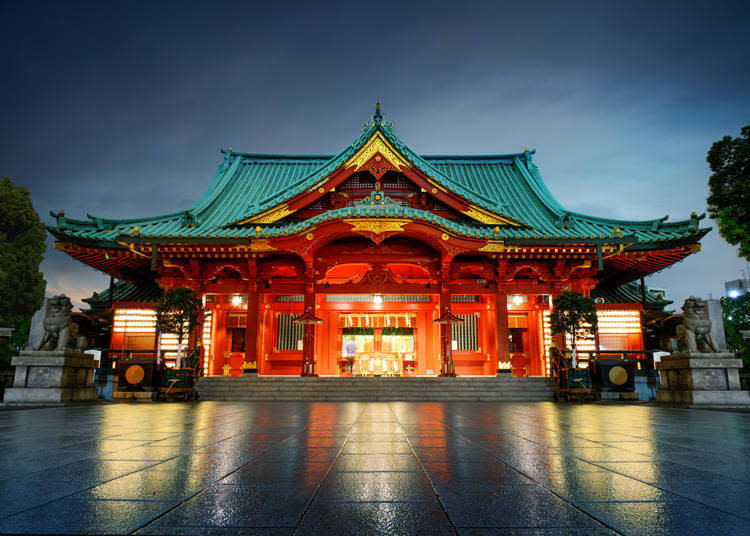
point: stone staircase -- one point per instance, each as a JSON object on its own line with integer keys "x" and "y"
{"x": 295, "y": 388}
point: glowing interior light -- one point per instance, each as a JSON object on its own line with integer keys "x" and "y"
{"x": 517, "y": 299}
{"x": 611, "y": 322}
{"x": 134, "y": 321}
{"x": 236, "y": 300}
{"x": 206, "y": 339}
{"x": 377, "y": 299}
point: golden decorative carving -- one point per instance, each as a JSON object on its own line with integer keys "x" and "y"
{"x": 269, "y": 216}
{"x": 377, "y": 144}
{"x": 226, "y": 368}
{"x": 377, "y": 226}
{"x": 445, "y": 236}
{"x": 494, "y": 246}
{"x": 309, "y": 236}
{"x": 321, "y": 190}
{"x": 486, "y": 217}
{"x": 250, "y": 365}
{"x": 261, "y": 245}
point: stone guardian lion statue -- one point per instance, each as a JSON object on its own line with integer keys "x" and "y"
{"x": 59, "y": 329}
{"x": 694, "y": 335}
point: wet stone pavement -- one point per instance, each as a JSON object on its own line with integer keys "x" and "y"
{"x": 374, "y": 468}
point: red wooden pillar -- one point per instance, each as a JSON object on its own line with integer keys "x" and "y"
{"x": 251, "y": 327}
{"x": 308, "y": 330}
{"x": 501, "y": 316}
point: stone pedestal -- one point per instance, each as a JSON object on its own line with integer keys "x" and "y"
{"x": 51, "y": 378}
{"x": 701, "y": 380}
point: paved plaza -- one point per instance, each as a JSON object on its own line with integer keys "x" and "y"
{"x": 374, "y": 468}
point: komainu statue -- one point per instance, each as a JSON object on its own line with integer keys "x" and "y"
{"x": 694, "y": 335}
{"x": 59, "y": 330}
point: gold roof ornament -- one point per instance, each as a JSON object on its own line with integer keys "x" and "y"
{"x": 493, "y": 246}
{"x": 377, "y": 144}
{"x": 269, "y": 216}
{"x": 376, "y": 226}
{"x": 258, "y": 246}
{"x": 486, "y": 217}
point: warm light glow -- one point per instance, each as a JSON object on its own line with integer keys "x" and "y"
{"x": 611, "y": 322}
{"x": 168, "y": 346}
{"x": 236, "y": 300}
{"x": 206, "y": 339}
{"x": 134, "y": 321}
{"x": 376, "y": 320}
{"x": 377, "y": 299}
{"x": 517, "y": 299}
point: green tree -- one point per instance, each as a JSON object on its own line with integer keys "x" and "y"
{"x": 574, "y": 315}
{"x": 729, "y": 202}
{"x": 21, "y": 246}
{"x": 178, "y": 312}
{"x": 736, "y": 314}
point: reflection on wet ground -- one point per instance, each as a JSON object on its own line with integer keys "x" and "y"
{"x": 374, "y": 468}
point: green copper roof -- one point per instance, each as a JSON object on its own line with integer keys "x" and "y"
{"x": 124, "y": 291}
{"x": 247, "y": 184}
{"x": 628, "y": 293}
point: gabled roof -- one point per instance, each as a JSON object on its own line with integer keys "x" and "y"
{"x": 247, "y": 185}
{"x": 124, "y": 291}
{"x": 629, "y": 293}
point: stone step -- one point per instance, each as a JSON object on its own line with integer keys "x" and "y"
{"x": 295, "y": 389}
{"x": 372, "y": 393}
{"x": 354, "y": 389}
{"x": 378, "y": 399}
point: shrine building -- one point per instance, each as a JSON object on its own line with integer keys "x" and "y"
{"x": 375, "y": 261}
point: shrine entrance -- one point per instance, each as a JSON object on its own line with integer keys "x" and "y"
{"x": 377, "y": 344}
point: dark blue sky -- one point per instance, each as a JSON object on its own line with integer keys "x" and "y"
{"x": 119, "y": 109}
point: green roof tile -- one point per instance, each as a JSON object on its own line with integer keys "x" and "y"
{"x": 247, "y": 184}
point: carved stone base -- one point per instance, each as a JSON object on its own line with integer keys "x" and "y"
{"x": 49, "y": 378}
{"x": 701, "y": 380}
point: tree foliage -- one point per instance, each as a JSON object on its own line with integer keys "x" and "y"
{"x": 178, "y": 312}
{"x": 573, "y": 314}
{"x": 736, "y": 315}
{"x": 21, "y": 247}
{"x": 729, "y": 201}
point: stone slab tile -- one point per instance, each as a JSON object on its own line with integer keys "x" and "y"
{"x": 75, "y": 515}
{"x": 666, "y": 518}
{"x": 375, "y": 518}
